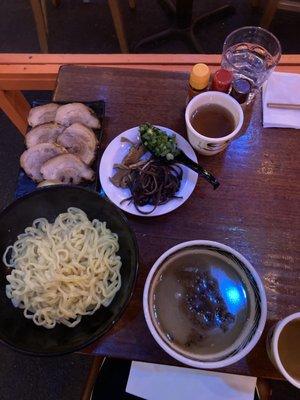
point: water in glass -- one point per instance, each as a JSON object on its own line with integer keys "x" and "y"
{"x": 250, "y": 61}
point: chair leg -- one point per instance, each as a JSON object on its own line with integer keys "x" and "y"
{"x": 41, "y": 28}
{"x": 44, "y": 9}
{"x": 16, "y": 107}
{"x": 91, "y": 379}
{"x": 118, "y": 23}
{"x": 132, "y": 4}
{"x": 56, "y": 3}
{"x": 264, "y": 389}
{"x": 269, "y": 13}
{"x": 255, "y": 3}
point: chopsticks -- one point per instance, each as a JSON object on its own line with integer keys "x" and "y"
{"x": 284, "y": 105}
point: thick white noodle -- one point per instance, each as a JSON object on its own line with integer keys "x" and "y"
{"x": 63, "y": 270}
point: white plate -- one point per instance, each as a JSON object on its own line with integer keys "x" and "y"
{"x": 115, "y": 153}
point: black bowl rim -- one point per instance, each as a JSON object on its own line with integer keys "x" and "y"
{"x": 130, "y": 292}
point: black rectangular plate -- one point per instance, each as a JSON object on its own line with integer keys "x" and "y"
{"x": 26, "y": 185}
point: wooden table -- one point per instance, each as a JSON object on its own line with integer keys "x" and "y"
{"x": 39, "y": 72}
{"x": 256, "y": 209}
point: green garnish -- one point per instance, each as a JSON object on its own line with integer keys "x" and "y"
{"x": 158, "y": 142}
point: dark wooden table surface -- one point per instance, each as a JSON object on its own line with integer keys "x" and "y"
{"x": 255, "y": 210}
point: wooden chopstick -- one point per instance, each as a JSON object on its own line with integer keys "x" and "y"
{"x": 284, "y": 105}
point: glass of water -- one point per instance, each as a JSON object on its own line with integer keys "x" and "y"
{"x": 251, "y": 53}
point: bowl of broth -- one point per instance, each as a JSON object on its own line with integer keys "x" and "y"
{"x": 204, "y": 304}
{"x": 213, "y": 119}
{"x": 283, "y": 348}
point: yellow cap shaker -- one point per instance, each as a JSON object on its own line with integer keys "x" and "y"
{"x": 199, "y": 79}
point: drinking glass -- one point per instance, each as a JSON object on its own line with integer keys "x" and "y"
{"x": 251, "y": 53}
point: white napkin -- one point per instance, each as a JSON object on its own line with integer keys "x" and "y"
{"x": 162, "y": 382}
{"x": 281, "y": 87}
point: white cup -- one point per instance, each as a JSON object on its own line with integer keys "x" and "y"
{"x": 204, "y": 144}
{"x": 272, "y": 347}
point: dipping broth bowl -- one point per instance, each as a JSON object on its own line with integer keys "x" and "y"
{"x": 204, "y": 304}
{"x": 212, "y": 145}
{"x": 283, "y": 348}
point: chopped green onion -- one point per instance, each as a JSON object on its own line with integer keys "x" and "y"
{"x": 158, "y": 142}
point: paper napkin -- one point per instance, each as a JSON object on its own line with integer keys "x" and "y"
{"x": 162, "y": 382}
{"x": 281, "y": 87}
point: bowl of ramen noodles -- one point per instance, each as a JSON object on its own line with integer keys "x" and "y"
{"x": 69, "y": 264}
{"x": 204, "y": 304}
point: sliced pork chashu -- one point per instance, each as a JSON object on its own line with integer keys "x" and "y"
{"x": 48, "y": 183}
{"x": 46, "y": 133}
{"x": 70, "y": 113}
{"x": 42, "y": 114}
{"x": 66, "y": 168}
{"x": 33, "y": 158}
{"x": 80, "y": 141}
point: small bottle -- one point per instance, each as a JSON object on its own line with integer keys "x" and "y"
{"x": 198, "y": 81}
{"x": 222, "y": 80}
{"x": 240, "y": 90}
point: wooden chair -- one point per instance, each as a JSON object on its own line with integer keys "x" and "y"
{"x": 272, "y": 6}
{"x": 39, "y": 10}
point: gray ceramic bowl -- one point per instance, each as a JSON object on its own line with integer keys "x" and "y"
{"x": 241, "y": 289}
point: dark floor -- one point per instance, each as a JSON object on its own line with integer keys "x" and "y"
{"x": 87, "y": 28}
{"x": 77, "y": 27}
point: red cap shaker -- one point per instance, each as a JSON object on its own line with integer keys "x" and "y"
{"x": 222, "y": 80}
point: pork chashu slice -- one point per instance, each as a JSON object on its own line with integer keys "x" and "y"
{"x": 33, "y": 158}
{"x": 80, "y": 141}
{"x": 42, "y": 114}
{"x": 45, "y": 133}
{"x": 66, "y": 168}
{"x": 48, "y": 183}
{"x": 70, "y": 113}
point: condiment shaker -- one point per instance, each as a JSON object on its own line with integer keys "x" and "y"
{"x": 240, "y": 90}
{"x": 198, "y": 81}
{"x": 222, "y": 81}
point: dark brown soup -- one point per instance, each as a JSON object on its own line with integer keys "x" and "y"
{"x": 213, "y": 120}
{"x": 289, "y": 348}
{"x": 199, "y": 303}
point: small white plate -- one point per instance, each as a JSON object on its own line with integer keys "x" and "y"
{"x": 115, "y": 153}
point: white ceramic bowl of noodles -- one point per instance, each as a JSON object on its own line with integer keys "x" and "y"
{"x": 256, "y": 298}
